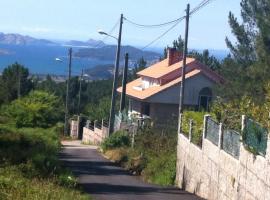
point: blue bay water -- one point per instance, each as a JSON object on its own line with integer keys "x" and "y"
{"x": 41, "y": 59}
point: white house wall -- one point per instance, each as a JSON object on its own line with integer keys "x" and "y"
{"x": 193, "y": 86}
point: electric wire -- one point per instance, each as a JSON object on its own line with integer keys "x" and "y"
{"x": 152, "y": 25}
{"x": 163, "y": 34}
{"x": 106, "y": 36}
{"x": 193, "y": 11}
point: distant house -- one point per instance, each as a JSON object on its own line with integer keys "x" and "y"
{"x": 156, "y": 92}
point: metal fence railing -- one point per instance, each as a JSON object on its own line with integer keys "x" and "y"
{"x": 255, "y": 137}
{"x": 212, "y": 131}
{"x": 231, "y": 142}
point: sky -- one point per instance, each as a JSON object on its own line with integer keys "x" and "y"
{"x": 80, "y": 20}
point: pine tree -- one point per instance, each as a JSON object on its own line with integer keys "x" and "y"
{"x": 250, "y": 54}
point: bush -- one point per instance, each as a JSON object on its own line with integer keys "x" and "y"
{"x": 116, "y": 140}
{"x": 161, "y": 169}
{"x": 38, "y": 146}
{"x": 197, "y": 127}
{"x": 37, "y": 109}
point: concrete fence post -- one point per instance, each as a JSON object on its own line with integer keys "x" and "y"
{"x": 190, "y": 130}
{"x": 220, "y": 136}
{"x": 267, "y": 156}
{"x": 205, "y": 120}
{"x": 243, "y": 126}
{"x": 180, "y": 123}
{"x": 95, "y": 124}
{"x": 78, "y": 125}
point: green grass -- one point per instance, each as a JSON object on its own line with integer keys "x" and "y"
{"x": 153, "y": 156}
{"x": 29, "y": 165}
{"x": 15, "y": 186}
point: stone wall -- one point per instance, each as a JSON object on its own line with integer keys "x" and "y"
{"x": 212, "y": 173}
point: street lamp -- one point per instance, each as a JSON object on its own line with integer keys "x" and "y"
{"x": 101, "y": 32}
{"x": 67, "y": 91}
{"x": 116, "y": 69}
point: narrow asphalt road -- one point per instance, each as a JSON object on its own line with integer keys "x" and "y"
{"x": 106, "y": 181}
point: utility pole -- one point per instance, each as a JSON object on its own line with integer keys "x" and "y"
{"x": 19, "y": 82}
{"x": 124, "y": 84}
{"x": 80, "y": 90}
{"x": 115, "y": 81}
{"x": 182, "y": 87}
{"x": 67, "y": 93}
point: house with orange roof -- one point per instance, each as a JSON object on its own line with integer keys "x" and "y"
{"x": 156, "y": 91}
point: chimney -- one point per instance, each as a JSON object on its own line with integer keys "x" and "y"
{"x": 174, "y": 56}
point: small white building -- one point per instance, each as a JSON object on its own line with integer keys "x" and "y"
{"x": 156, "y": 92}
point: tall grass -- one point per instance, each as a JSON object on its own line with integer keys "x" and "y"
{"x": 153, "y": 156}
{"x": 29, "y": 165}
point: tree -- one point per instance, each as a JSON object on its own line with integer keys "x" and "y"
{"x": 250, "y": 54}
{"x": 206, "y": 59}
{"x": 178, "y": 44}
{"x": 139, "y": 66}
{"x": 15, "y": 82}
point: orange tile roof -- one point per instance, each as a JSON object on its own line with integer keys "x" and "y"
{"x": 146, "y": 93}
{"x": 161, "y": 68}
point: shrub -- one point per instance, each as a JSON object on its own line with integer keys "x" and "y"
{"x": 37, "y": 109}
{"x": 161, "y": 169}
{"x": 197, "y": 127}
{"x": 116, "y": 140}
{"x": 39, "y": 146}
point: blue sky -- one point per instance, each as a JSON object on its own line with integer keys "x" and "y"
{"x": 80, "y": 20}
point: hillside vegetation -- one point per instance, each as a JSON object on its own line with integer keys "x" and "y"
{"x": 29, "y": 148}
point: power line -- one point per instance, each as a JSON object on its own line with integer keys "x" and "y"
{"x": 152, "y": 25}
{"x": 105, "y": 37}
{"x": 200, "y": 6}
{"x": 196, "y": 9}
{"x": 163, "y": 34}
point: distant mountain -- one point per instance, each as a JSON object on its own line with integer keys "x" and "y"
{"x": 17, "y": 39}
{"x": 100, "y": 72}
{"x": 89, "y": 43}
{"x": 108, "y": 53}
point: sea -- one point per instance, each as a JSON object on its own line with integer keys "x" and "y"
{"x": 41, "y": 59}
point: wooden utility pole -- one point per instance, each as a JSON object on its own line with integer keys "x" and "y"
{"x": 67, "y": 94}
{"x": 80, "y": 90}
{"x": 19, "y": 82}
{"x": 124, "y": 84}
{"x": 182, "y": 87}
{"x": 115, "y": 81}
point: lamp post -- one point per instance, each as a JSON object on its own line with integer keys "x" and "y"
{"x": 116, "y": 69}
{"x": 67, "y": 90}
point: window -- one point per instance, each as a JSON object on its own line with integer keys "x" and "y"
{"x": 205, "y": 97}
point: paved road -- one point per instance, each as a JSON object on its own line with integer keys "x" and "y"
{"x": 106, "y": 181}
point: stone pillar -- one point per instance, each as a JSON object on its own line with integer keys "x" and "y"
{"x": 267, "y": 156}
{"x": 220, "y": 136}
{"x": 190, "y": 130}
{"x": 206, "y": 117}
{"x": 95, "y": 124}
{"x": 180, "y": 123}
{"x": 78, "y": 126}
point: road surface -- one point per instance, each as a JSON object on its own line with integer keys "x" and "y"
{"x": 106, "y": 181}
